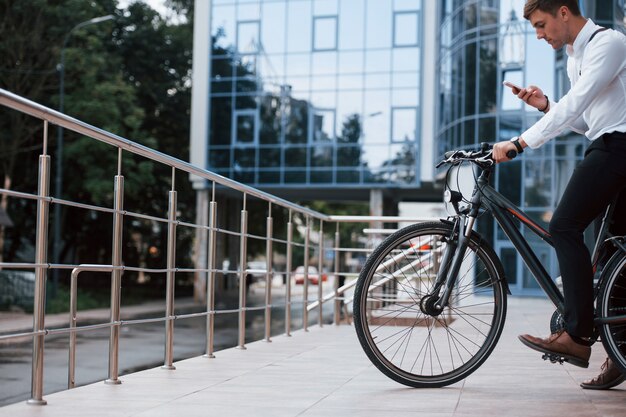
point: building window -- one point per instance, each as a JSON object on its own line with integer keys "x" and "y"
{"x": 405, "y": 29}
{"x": 325, "y": 33}
{"x": 248, "y": 39}
{"x": 403, "y": 124}
{"x": 245, "y": 130}
{"x": 322, "y": 125}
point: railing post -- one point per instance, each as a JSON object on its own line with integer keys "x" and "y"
{"x": 305, "y": 291}
{"x": 39, "y": 302}
{"x": 71, "y": 368}
{"x": 243, "y": 265}
{"x": 210, "y": 285}
{"x": 269, "y": 274}
{"x": 116, "y": 280}
{"x": 337, "y": 304}
{"x": 170, "y": 281}
{"x": 320, "y": 268}
{"x": 288, "y": 277}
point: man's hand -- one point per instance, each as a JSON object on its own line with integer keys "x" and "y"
{"x": 501, "y": 148}
{"x": 533, "y": 96}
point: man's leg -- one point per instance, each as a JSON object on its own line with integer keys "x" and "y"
{"x": 587, "y": 194}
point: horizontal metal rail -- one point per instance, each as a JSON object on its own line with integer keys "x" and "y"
{"x": 306, "y": 231}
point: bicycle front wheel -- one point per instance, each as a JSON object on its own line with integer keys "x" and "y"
{"x": 612, "y": 303}
{"x": 394, "y": 326}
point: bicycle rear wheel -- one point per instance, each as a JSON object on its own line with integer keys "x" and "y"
{"x": 403, "y": 341}
{"x": 612, "y": 303}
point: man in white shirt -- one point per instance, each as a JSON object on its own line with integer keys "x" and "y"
{"x": 595, "y": 106}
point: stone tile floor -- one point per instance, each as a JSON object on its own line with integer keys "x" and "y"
{"x": 324, "y": 372}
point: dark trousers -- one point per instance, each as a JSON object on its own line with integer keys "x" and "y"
{"x": 596, "y": 181}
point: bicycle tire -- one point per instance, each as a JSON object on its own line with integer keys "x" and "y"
{"x": 612, "y": 302}
{"x": 421, "y": 333}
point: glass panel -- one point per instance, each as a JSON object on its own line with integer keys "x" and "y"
{"x": 487, "y": 129}
{"x": 224, "y": 23}
{"x": 352, "y": 176}
{"x": 325, "y": 7}
{"x": 488, "y": 76}
{"x": 348, "y": 156}
{"x": 406, "y": 5}
{"x": 351, "y": 62}
{"x": 299, "y": 26}
{"x": 248, "y": 11}
{"x": 295, "y": 177}
{"x": 324, "y": 63}
{"x": 405, "y": 97}
{"x": 406, "y": 80}
{"x": 295, "y": 157}
{"x": 469, "y": 94}
{"x": 510, "y": 180}
{"x": 219, "y": 159}
{"x": 325, "y": 33}
{"x": 269, "y": 177}
{"x": 221, "y": 119}
{"x": 351, "y": 25}
{"x": 378, "y": 61}
{"x": 297, "y": 122}
{"x": 269, "y": 157}
{"x": 248, "y": 37}
{"x": 406, "y": 59}
{"x": 543, "y": 252}
{"x": 323, "y": 125}
{"x": 376, "y": 117}
{"x": 405, "y": 26}
{"x": 508, "y": 256}
{"x": 273, "y": 28}
{"x": 376, "y": 155}
{"x": 322, "y": 177}
{"x": 245, "y": 124}
{"x": 321, "y": 156}
{"x": 245, "y": 158}
{"x": 537, "y": 183}
{"x": 378, "y": 24}
{"x": 404, "y": 124}
{"x": 298, "y": 64}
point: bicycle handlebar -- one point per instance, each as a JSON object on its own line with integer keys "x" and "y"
{"x": 481, "y": 157}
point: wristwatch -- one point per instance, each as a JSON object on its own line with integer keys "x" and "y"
{"x": 518, "y": 145}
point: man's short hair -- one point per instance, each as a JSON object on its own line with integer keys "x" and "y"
{"x": 550, "y": 6}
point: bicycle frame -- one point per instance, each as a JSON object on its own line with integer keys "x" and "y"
{"x": 504, "y": 211}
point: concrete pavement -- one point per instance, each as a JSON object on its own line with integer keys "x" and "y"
{"x": 324, "y": 372}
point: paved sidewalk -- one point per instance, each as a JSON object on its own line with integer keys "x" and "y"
{"x": 324, "y": 372}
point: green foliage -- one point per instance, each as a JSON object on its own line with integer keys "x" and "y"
{"x": 129, "y": 76}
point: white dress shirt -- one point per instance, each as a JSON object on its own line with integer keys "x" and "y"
{"x": 596, "y": 103}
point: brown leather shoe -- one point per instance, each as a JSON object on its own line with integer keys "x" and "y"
{"x": 610, "y": 376}
{"x": 560, "y": 345}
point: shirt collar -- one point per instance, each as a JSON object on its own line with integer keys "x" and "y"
{"x": 581, "y": 39}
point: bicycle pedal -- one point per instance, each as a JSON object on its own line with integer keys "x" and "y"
{"x": 553, "y": 358}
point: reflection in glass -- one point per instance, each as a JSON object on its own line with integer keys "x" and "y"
{"x": 404, "y": 124}
{"x": 325, "y": 33}
{"x": 323, "y": 125}
{"x": 405, "y": 29}
{"x": 248, "y": 37}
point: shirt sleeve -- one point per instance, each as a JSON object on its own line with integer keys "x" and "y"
{"x": 603, "y": 61}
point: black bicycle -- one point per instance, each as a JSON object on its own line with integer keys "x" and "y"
{"x": 430, "y": 302}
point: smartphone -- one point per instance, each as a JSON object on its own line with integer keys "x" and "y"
{"x": 511, "y": 85}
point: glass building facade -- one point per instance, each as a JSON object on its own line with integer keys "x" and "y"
{"x": 322, "y": 93}
{"x": 484, "y": 42}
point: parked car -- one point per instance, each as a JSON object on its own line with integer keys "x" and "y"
{"x": 313, "y": 275}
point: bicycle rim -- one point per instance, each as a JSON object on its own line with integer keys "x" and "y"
{"x": 613, "y": 303}
{"x": 409, "y": 345}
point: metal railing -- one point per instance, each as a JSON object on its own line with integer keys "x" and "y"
{"x": 301, "y": 233}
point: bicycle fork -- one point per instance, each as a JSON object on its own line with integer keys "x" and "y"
{"x": 453, "y": 255}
